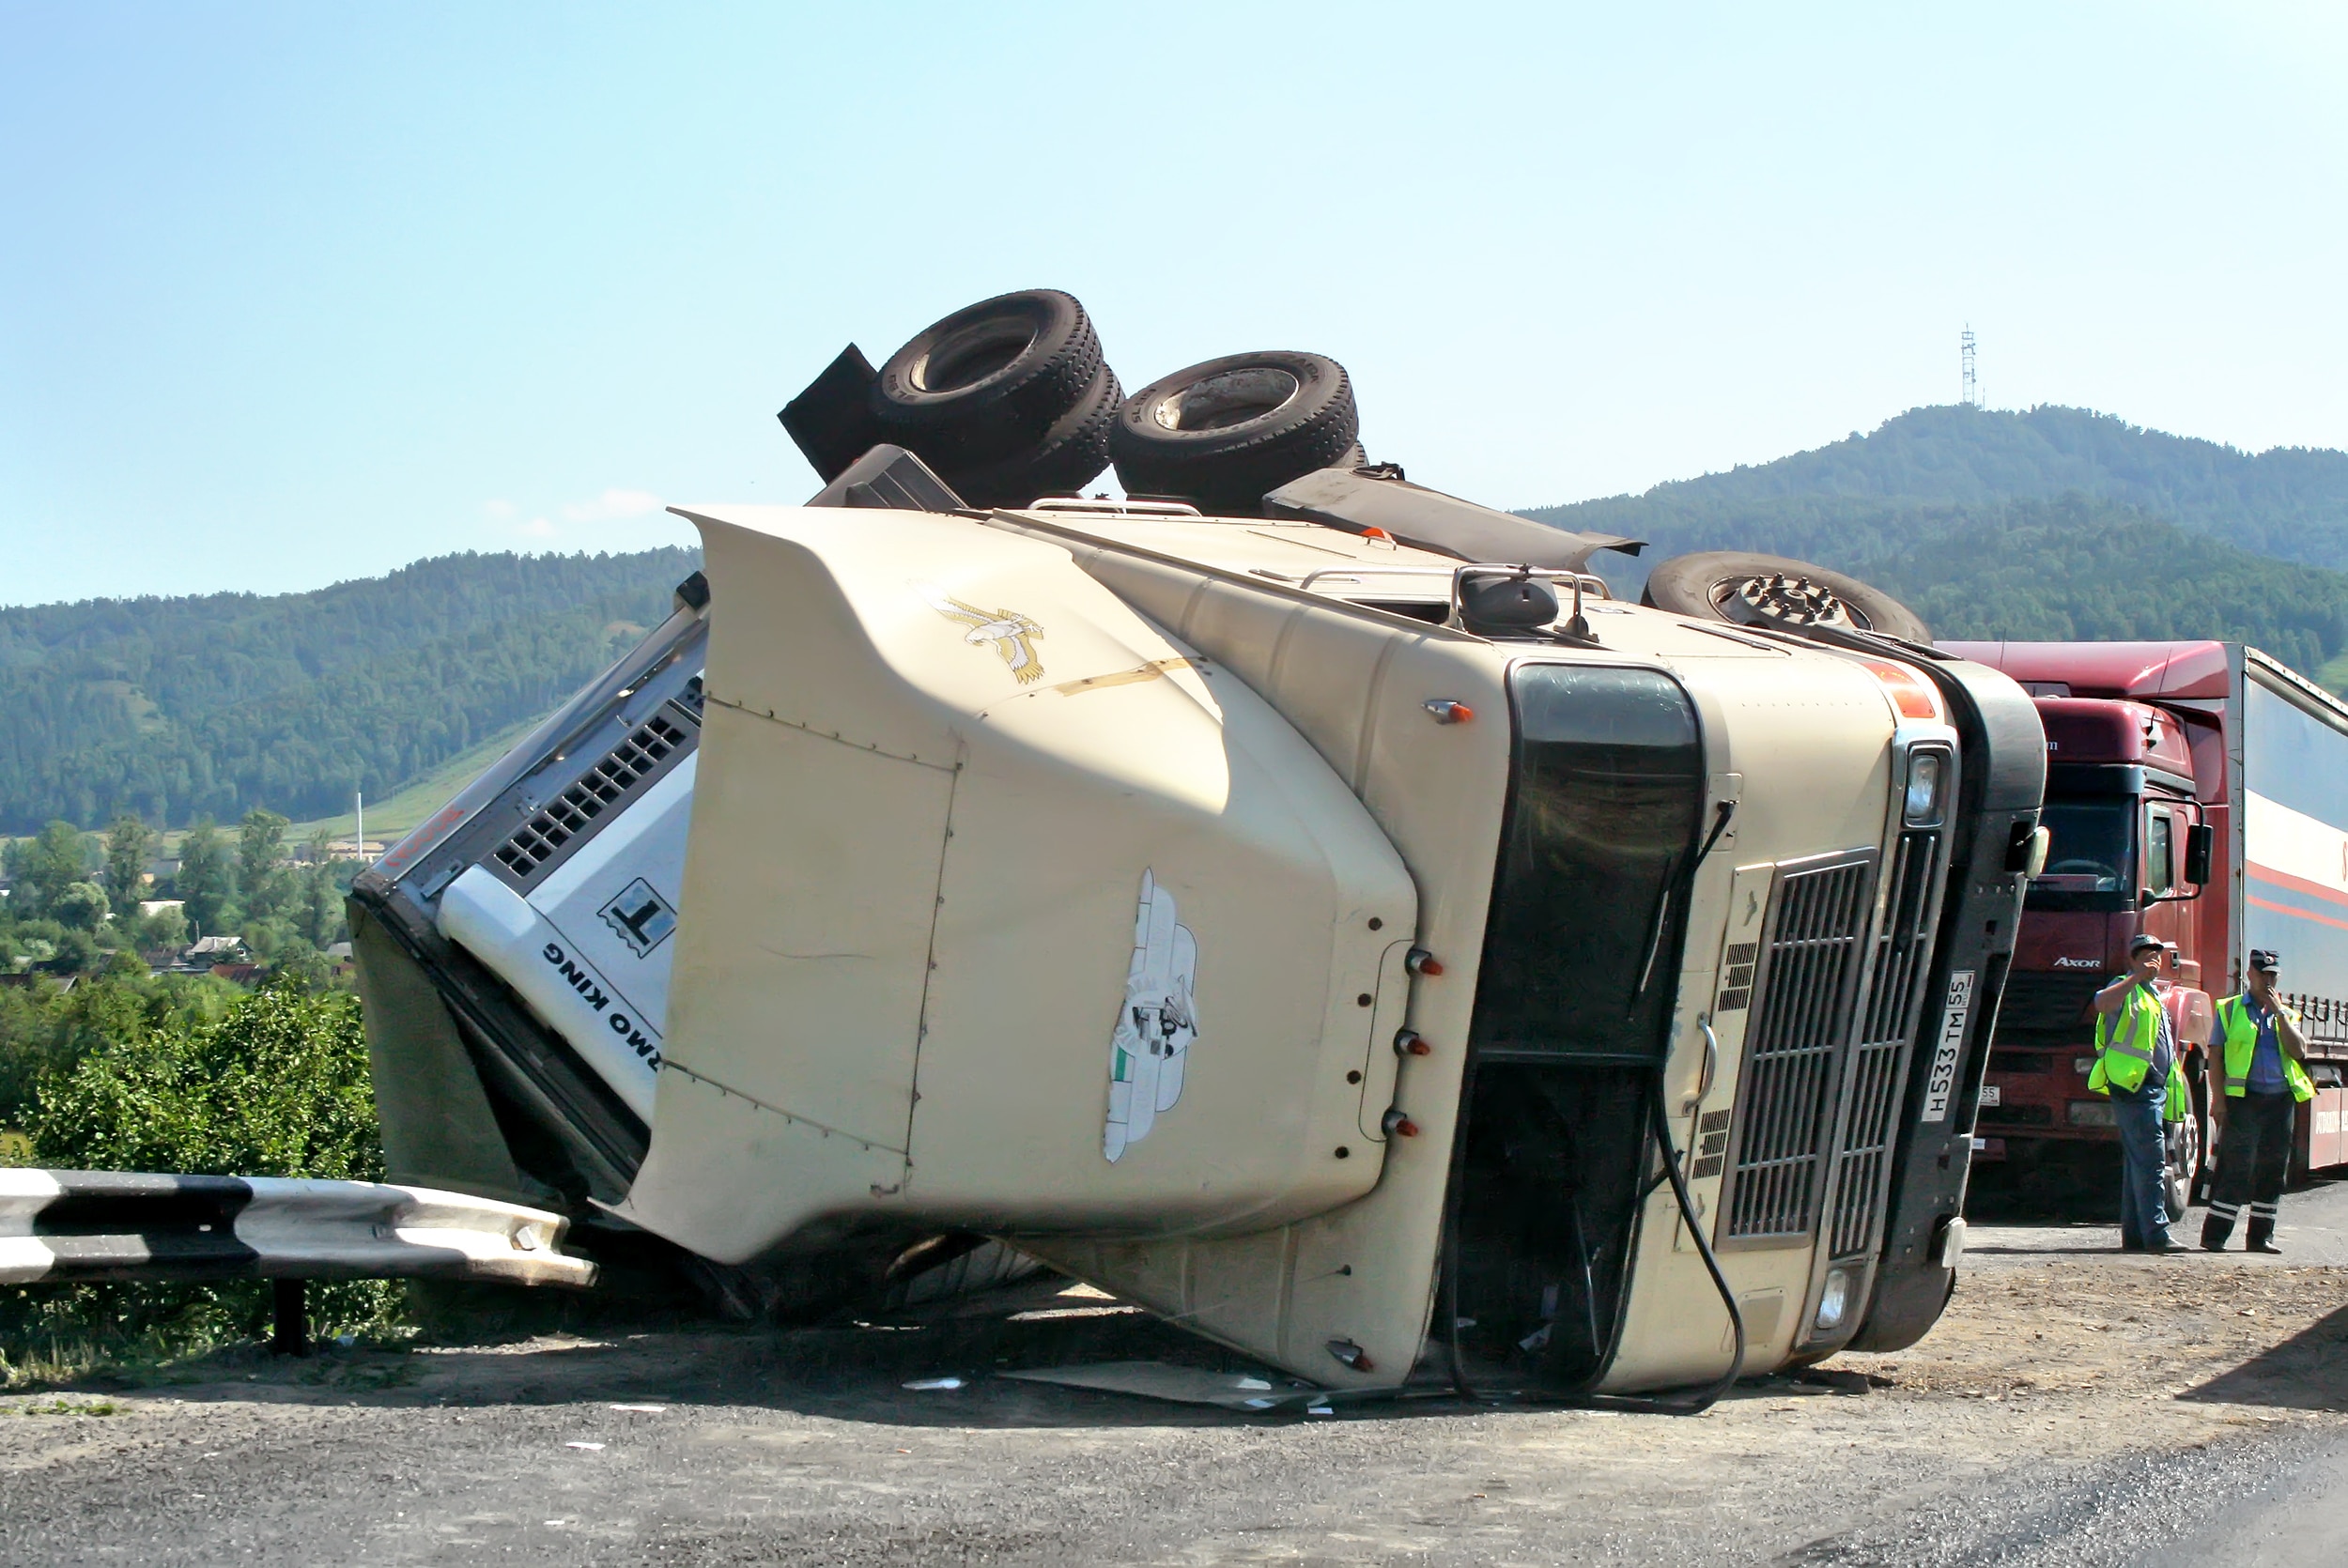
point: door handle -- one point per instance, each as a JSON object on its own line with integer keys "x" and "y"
{"x": 1711, "y": 1066}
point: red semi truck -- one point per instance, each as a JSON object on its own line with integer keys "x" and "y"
{"x": 2198, "y": 791}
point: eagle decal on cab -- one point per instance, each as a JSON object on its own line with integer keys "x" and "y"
{"x": 1013, "y": 634}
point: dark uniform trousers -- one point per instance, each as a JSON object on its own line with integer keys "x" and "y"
{"x": 2253, "y": 1160}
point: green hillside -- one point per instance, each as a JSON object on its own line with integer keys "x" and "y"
{"x": 212, "y": 705}
{"x": 2073, "y": 569}
{"x": 2054, "y": 523}
{"x": 2289, "y": 502}
{"x": 390, "y": 818}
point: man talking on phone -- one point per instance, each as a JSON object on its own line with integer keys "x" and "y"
{"x": 2135, "y": 1050}
{"x": 2266, "y": 1079}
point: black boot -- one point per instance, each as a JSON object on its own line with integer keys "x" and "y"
{"x": 2263, "y": 1237}
{"x": 2218, "y": 1228}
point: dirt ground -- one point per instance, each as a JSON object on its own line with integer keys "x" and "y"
{"x": 2077, "y": 1409}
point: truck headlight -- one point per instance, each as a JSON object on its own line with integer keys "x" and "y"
{"x": 1834, "y": 1300}
{"x": 1927, "y": 771}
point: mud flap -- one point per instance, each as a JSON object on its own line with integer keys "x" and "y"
{"x": 439, "y": 1129}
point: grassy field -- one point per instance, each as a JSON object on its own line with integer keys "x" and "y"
{"x": 393, "y": 816}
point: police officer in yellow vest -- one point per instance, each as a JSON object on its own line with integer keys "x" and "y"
{"x": 2136, "y": 1056}
{"x": 2266, "y": 1078}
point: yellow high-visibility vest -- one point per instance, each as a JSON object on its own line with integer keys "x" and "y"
{"x": 2242, "y": 1041}
{"x": 2125, "y": 1042}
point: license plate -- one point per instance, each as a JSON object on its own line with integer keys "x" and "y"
{"x": 1992, "y": 1094}
{"x": 1941, "y": 1086}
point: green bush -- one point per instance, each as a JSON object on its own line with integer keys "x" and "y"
{"x": 46, "y": 1029}
{"x": 276, "y": 1085}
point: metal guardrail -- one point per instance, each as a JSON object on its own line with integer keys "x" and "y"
{"x": 70, "y": 1226}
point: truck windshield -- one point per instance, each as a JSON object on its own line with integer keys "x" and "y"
{"x": 2091, "y": 861}
{"x": 1582, "y": 955}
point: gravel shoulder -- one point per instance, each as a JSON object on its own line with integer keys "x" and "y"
{"x": 2079, "y": 1408}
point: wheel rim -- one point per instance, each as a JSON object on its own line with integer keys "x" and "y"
{"x": 1219, "y": 401}
{"x": 1785, "y": 598}
{"x": 2185, "y": 1160}
{"x": 968, "y": 355}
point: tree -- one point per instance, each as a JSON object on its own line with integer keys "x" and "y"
{"x": 165, "y": 929}
{"x": 81, "y": 907}
{"x": 204, "y": 881}
{"x": 46, "y": 865}
{"x": 129, "y": 843}
{"x": 319, "y": 912}
{"x": 260, "y": 845}
{"x": 74, "y": 952}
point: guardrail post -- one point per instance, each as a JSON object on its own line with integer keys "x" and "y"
{"x": 290, "y": 1334}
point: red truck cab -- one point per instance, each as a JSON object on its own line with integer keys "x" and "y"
{"x": 2137, "y": 809}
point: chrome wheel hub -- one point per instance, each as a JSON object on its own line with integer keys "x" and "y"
{"x": 1784, "y": 599}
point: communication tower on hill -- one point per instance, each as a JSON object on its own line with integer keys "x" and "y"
{"x": 1970, "y": 394}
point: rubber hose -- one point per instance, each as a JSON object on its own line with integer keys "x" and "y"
{"x": 1660, "y": 1125}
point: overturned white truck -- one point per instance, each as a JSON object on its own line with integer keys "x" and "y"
{"x": 1339, "y": 927}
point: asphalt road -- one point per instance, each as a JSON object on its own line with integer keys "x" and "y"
{"x": 2076, "y": 1408}
{"x": 2312, "y": 1229}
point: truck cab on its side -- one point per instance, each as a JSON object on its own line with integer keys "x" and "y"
{"x": 1347, "y": 950}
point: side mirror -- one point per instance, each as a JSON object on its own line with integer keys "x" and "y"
{"x": 2200, "y": 843}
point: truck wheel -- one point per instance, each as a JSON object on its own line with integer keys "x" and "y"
{"x": 1769, "y": 589}
{"x": 2183, "y": 1163}
{"x": 990, "y": 381}
{"x": 1075, "y": 450}
{"x": 1223, "y": 433}
{"x": 2206, "y": 1172}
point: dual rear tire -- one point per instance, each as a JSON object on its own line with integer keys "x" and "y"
{"x": 1007, "y": 399}
{"x": 1011, "y": 399}
{"x": 1223, "y": 433}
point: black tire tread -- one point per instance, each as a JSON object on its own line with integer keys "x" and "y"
{"x": 1683, "y": 585}
{"x": 1071, "y": 454}
{"x": 1228, "y": 472}
{"x": 1002, "y": 415}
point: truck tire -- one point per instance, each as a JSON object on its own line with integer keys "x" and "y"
{"x": 2205, "y": 1171}
{"x": 1072, "y": 453}
{"x": 1222, "y": 433}
{"x": 1740, "y": 586}
{"x": 2181, "y": 1164}
{"x": 990, "y": 381}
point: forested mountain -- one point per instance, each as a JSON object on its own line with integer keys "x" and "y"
{"x": 212, "y": 705}
{"x": 2077, "y": 569}
{"x": 2054, "y": 523}
{"x": 2289, "y": 502}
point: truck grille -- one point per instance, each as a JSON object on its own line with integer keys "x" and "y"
{"x": 2047, "y": 1002}
{"x": 1793, "y": 1048}
{"x": 539, "y": 842}
{"x": 1903, "y": 952}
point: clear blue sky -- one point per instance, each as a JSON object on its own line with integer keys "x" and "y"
{"x": 294, "y": 293}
